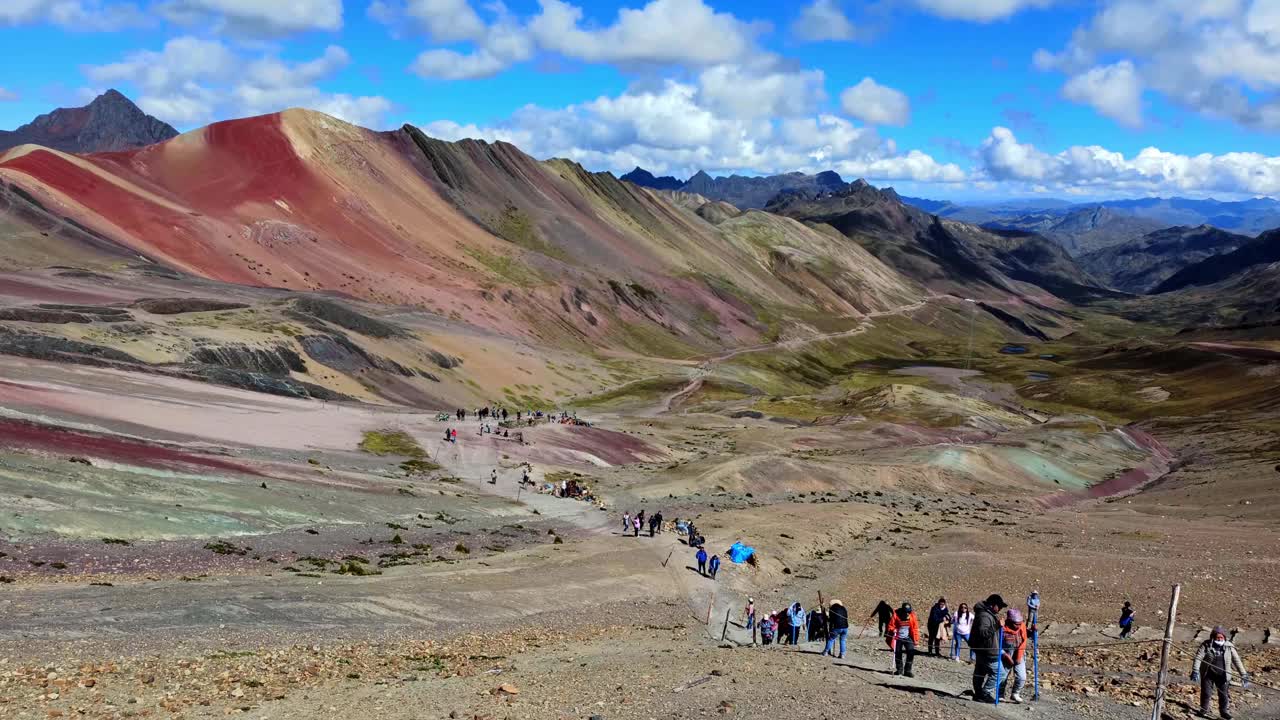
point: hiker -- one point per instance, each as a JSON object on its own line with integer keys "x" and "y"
{"x": 838, "y": 627}
{"x": 448, "y": 434}
{"x": 796, "y": 616}
{"x": 653, "y": 524}
{"x": 1014, "y": 653}
{"x": 455, "y": 436}
{"x": 883, "y": 612}
{"x": 493, "y": 477}
{"x": 817, "y": 625}
{"x": 1126, "y": 620}
{"x": 903, "y": 634}
{"x": 1033, "y": 604}
{"x": 750, "y": 612}
{"x": 783, "y": 619}
{"x": 701, "y": 557}
{"x": 939, "y": 616}
{"x": 714, "y": 566}
{"x": 626, "y": 522}
{"x": 1215, "y": 660}
{"x": 657, "y": 520}
{"x": 961, "y": 624}
{"x": 635, "y": 525}
{"x": 984, "y": 640}
{"x": 768, "y": 628}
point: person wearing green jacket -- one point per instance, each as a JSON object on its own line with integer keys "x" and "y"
{"x": 1213, "y": 665}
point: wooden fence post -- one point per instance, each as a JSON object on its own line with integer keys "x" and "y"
{"x": 1158, "y": 709}
{"x": 724, "y": 633}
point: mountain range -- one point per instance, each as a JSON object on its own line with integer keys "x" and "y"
{"x": 109, "y": 123}
{"x": 1079, "y": 227}
{"x": 372, "y": 262}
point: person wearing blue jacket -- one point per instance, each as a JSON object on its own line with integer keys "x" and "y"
{"x": 796, "y": 615}
{"x": 714, "y": 565}
{"x": 702, "y": 561}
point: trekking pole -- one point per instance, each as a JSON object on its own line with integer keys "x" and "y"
{"x": 724, "y": 632}
{"x": 1035, "y": 654}
{"x": 999, "y": 664}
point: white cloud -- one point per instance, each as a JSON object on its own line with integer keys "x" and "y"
{"x": 980, "y": 10}
{"x": 681, "y": 127}
{"x": 192, "y": 81}
{"x": 1096, "y": 170}
{"x": 257, "y": 17}
{"x": 662, "y": 32}
{"x": 1113, "y": 90}
{"x": 499, "y": 46}
{"x": 823, "y": 20}
{"x": 1220, "y": 58}
{"x": 876, "y": 104}
{"x": 7, "y": 95}
{"x": 760, "y": 92}
{"x": 447, "y": 20}
{"x": 81, "y": 15}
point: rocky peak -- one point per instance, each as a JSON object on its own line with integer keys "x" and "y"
{"x": 110, "y": 122}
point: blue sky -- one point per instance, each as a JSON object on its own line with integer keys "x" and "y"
{"x": 945, "y": 98}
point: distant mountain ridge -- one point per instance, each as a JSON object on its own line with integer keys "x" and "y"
{"x": 1262, "y": 250}
{"x": 1140, "y": 265}
{"x": 110, "y": 123}
{"x": 742, "y": 191}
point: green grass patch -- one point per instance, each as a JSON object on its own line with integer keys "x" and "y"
{"x": 391, "y": 442}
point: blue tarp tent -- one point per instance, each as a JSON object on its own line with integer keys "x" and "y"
{"x": 739, "y": 553}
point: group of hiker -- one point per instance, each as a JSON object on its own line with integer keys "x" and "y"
{"x": 707, "y": 567}
{"x": 997, "y": 646}
{"x": 635, "y": 523}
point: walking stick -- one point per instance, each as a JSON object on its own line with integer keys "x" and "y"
{"x": 1035, "y": 654}
{"x": 863, "y": 631}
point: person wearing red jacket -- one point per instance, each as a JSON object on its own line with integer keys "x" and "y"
{"x": 1014, "y": 652}
{"x": 903, "y": 634}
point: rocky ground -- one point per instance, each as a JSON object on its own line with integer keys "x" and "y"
{"x": 352, "y": 585}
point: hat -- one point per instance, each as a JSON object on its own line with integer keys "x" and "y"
{"x": 996, "y": 601}
{"x": 837, "y": 602}
{"x": 1218, "y": 630}
{"x": 1035, "y": 593}
{"x": 1015, "y": 615}
{"x": 906, "y": 606}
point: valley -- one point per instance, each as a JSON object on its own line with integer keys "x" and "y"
{"x": 226, "y": 488}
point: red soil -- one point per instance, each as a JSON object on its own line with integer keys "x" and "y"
{"x": 31, "y": 436}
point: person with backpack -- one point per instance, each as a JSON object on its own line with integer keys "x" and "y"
{"x": 817, "y": 625}
{"x": 882, "y": 613}
{"x": 796, "y": 616}
{"x": 939, "y": 616}
{"x": 1014, "y": 653}
{"x": 961, "y": 625}
{"x": 1127, "y": 625}
{"x": 714, "y": 566}
{"x": 701, "y": 557}
{"x": 1215, "y": 661}
{"x": 782, "y": 619}
{"x": 984, "y": 643}
{"x": 837, "y": 628}
{"x": 903, "y": 634}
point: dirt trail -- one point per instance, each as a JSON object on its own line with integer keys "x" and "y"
{"x": 703, "y": 370}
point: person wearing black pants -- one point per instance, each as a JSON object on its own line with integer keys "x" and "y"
{"x": 1215, "y": 662}
{"x": 903, "y": 634}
